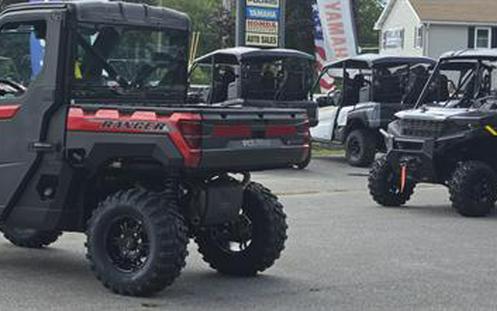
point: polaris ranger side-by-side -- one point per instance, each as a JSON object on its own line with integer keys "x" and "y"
{"x": 369, "y": 90}
{"x": 251, "y": 77}
{"x": 451, "y": 141}
{"x": 97, "y": 137}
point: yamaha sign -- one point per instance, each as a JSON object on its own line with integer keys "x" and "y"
{"x": 261, "y": 23}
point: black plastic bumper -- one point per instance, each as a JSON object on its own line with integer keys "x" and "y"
{"x": 418, "y": 155}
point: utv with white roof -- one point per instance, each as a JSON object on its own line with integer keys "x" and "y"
{"x": 369, "y": 90}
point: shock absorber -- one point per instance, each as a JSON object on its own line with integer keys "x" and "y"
{"x": 171, "y": 186}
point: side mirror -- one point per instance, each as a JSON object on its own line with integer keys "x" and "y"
{"x": 325, "y": 101}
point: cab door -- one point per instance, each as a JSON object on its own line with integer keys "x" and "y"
{"x": 29, "y": 102}
{"x": 328, "y": 111}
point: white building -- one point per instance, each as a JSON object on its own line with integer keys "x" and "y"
{"x": 432, "y": 27}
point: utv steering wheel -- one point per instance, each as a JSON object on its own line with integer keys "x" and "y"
{"x": 16, "y": 86}
{"x": 334, "y": 94}
{"x": 479, "y": 102}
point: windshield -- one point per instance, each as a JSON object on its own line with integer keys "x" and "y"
{"x": 277, "y": 79}
{"x": 121, "y": 63}
{"x": 465, "y": 83}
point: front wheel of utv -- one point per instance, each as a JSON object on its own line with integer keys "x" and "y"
{"x": 473, "y": 189}
{"x": 30, "y": 238}
{"x": 251, "y": 244}
{"x": 384, "y": 185}
{"x": 136, "y": 242}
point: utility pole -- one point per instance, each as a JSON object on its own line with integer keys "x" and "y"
{"x": 240, "y": 22}
{"x": 228, "y": 5}
{"x": 227, "y": 22}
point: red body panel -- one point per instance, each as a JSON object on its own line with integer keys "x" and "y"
{"x": 139, "y": 122}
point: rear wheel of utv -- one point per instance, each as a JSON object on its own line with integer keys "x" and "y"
{"x": 473, "y": 189}
{"x": 384, "y": 185}
{"x": 254, "y": 242}
{"x": 360, "y": 148}
{"x": 303, "y": 165}
{"x": 30, "y": 238}
{"x": 136, "y": 242}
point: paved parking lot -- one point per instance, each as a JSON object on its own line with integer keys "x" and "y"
{"x": 343, "y": 253}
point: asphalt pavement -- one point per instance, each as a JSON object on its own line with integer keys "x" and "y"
{"x": 343, "y": 253}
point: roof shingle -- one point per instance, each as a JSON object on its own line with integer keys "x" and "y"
{"x": 459, "y": 11}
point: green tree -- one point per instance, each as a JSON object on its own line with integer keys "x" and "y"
{"x": 299, "y": 25}
{"x": 207, "y": 18}
{"x": 367, "y": 13}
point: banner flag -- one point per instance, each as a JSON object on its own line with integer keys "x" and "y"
{"x": 338, "y": 27}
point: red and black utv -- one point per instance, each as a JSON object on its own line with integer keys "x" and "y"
{"x": 98, "y": 137}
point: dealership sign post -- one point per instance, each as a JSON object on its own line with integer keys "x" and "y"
{"x": 261, "y": 23}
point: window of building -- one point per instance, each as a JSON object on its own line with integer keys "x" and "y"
{"x": 393, "y": 39}
{"x": 418, "y": 37}
{"x": 483, "y": 38}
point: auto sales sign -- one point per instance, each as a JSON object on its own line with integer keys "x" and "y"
{"x": 262, "y": 23}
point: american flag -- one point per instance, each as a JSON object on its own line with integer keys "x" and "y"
{"x": 326, "y": 82}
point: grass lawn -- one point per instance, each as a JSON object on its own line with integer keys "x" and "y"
{"x": 320, "y": 151}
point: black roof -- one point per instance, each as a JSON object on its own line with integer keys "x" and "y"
{"x": 240, "y": 54}
{"x": 367, "y": 61}
{"x": 488, "y": 54}
{"x": 113, "y": 12}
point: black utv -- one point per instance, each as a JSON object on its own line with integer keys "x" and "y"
{"x": 368, "y": 90}
{"x": 98, "y": 138}
{"x": 251, "y": 77}
{"x": 450, "y": 140}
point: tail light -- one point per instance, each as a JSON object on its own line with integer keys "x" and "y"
{"x": 281, "y": 130}
{"x": 191, "y": 130}
{"x": 305, "y": 130}
{"x": 187, "y": 136}
{"x": 298, "y": 134}
{"x": 236, "y": 130}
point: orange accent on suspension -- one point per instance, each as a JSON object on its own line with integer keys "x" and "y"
{"x": 403, "y": 178}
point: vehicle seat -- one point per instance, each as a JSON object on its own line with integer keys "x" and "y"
{"x": 416, "y": 82}
{"x": 365, "y": 94}
{"x": 352, "y": 90}
{"x": 292, "y": 87}
{"x": 233, "y": 90}
{"x": 444, "y": 88}
{"x": 388, "y": 89}
{"x": 221, "y": 84}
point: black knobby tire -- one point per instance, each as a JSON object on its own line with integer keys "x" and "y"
{"x": 268, "y": 236}
{"x": 30, "y": 238}
{"x": 303, "y": 165}
{"x": 473, "y": 189}
{"x": 384, "y": 185}
{"x": 360, "y": 148}
{"x": 161, "y": 245}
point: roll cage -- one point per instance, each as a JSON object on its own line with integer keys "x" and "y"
{"x": 475, "y": 80}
